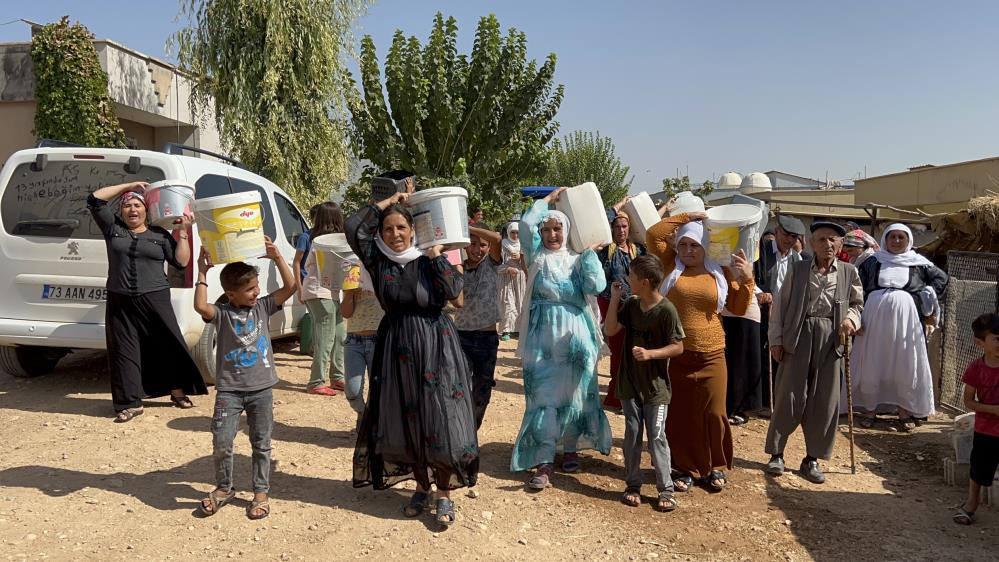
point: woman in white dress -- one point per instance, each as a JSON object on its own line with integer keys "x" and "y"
{"x": 512, "y": 282}
{"x": 891, "y": 369}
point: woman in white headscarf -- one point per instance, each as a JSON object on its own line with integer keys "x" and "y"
{"x": 697, "y": 426}
{"x": 559, "y": 346}
{"x": 512, "y": 282}
{"x": 891, "y": 369}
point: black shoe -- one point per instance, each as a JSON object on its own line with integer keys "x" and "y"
{"x": 776, "y": 465}
{"x": 810, "y": 471}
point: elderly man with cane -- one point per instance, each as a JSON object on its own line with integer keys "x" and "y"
{"x": 819, "y": 303}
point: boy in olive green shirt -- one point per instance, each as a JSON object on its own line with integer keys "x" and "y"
{"x": 652, "y": 336}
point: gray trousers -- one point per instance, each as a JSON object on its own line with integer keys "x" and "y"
{"x": 807, "y": 391}
{"x": 259, "y": 408}
{"x": 651, "y": 419}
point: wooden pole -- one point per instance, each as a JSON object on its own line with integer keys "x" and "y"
{"x": 849, "y": 403}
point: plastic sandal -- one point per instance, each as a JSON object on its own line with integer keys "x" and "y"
{"x": 262, "y": 506}
{"x": 321, "y": 390}
{"x": 666, "y": 502}
{"x": 963, "y": 516}
{"x": 542, "y": 478}
{"x": 416, "y": 505}
{"x": 215, "y": 502}
{"x": 632, "y": 497}
{"x": 182, "y": 402}
{"x": 445, "y": 512}
{"x": 570, "y": 462}
{"x": 686, "y": 482}
{"x": 337, "y": 385}
{"x": 716, "y": 480}
{"x": 127, "y": 414}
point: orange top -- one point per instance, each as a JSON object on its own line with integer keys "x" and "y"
{"x": 695, "y": 294}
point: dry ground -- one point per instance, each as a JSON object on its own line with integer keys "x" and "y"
{"x": 73, "y": 485}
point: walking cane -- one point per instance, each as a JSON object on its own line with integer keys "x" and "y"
{"x": 770, "y": 379}
{"x": 849, "y": 403}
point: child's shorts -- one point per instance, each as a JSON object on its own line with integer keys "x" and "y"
{"x": 984, "y": 458}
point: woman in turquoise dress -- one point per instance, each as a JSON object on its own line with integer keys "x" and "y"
{"x": 559, "y": 346}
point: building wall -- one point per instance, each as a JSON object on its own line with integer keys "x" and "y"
{"x": 936, "y": 189}
{"x": 18, "y": 122}
{"x": 786, "y": 181}
{"x": 143, "y": 135}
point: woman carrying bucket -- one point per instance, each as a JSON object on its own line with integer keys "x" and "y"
{"x": 559, "y": 345}
{"x": 697, "y": 426}
{"x": 418, "y": 422}
{"x": 147, "y": 354}
{"x": 329, "y": 332}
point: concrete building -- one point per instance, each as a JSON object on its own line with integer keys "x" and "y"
{"x": 783, "y": 180}
{"x": 150, "y": 99}
{"x": 933, "y": 189}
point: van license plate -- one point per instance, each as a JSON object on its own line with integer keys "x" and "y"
{"x": 69, "y": 293}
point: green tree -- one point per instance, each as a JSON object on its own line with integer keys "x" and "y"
{"x": 481, "y": 121}
{"x": 273, "y": 72}
{"x": 672, "y": 186}
{"x": 71, "y": 88}
{"x": 584, "y": 156}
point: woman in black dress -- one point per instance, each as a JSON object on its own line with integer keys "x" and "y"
{"x": 418, "y": 422}
{"x": 147, "y": 355}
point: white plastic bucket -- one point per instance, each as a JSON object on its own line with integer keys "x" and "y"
{"x": 440, "y": 217}
{"x": 231, "y": 226}
{"x": 167, "y": 201}
{"x": 643, "y": 214}
{"x": 588, "y": 219}
{"x": 333, "y": 259}
{"x": 685, "y": 202}
{"x": 732, "y": 228}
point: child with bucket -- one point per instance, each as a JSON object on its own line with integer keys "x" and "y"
{"x": 245, "y": 372}
{"x": 362, "y": 314}
{"x": 329, "y": 332}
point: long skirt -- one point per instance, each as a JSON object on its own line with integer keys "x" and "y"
{"x": 890, "y": 366}
{"x": 615, "y": 343}
{"x": 742, "y": 356}
{"x": 419, "y": 421}
{"x": 700, "y": 438}
{"x": 147, "y": 355}
{"x": 511, "y": 298}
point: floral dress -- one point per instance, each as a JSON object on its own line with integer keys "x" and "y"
{"x": 419, "y": 412}
{"x": 559, "y": 353}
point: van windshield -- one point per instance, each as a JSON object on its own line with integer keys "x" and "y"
{"x": 53, "y": 201}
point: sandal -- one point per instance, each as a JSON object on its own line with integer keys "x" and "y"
{"x": 906, "y": 425}
{"x": 321, "y": 390}
{"x": 737, "y": 419}
{"x": 963, "y": 516}
{"x": 632, "y": 497}
{"x": 866, "y": 422}
{"x": 542, "y": 478}
{"x": 127, "y": 414}
{"x": 213, "y": 503}
{"x": 570, "y": 462}
{"x": 683, "y": 483}
{"x": 666, "y": 502}
{"x": 716, "y": 480}
{"x": 337, "y": 385}
{"x": 417, "y": 504}
{"x": 263, "y": 508}
{"x": 182, "y": 402}
{"x": 445, "y": 511}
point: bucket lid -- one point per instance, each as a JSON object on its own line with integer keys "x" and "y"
{"x": 170, "y": 183}
{"x": 425, "y": 195}
{"x": 229, "y": 200}
{"x": 733, "y": 214}
{"x": 335, "y": 242}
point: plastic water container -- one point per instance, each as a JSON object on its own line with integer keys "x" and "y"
{"x": 643, "y": 214}
{"x": 685, "y": 202}
{"x": 231, "y": 226}
{"x": 440, "y": 217}
{"x": 726, "y": 226}
{"x": 167, "y": 201}
{"x": 964, "y": 433}
{"x": 333, "y": 259}
{"x": 759, "y": 228}
{"x": 585, "y": 209}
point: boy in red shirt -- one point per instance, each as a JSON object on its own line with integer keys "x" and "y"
{"x": 981, "y": 395}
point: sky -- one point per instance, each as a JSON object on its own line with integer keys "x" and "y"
{"x": 810, "y": 88}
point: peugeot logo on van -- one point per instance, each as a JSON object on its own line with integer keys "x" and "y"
{"x": 72, "y": 252}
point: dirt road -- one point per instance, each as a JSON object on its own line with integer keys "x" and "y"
{"x": 73, "y": 485}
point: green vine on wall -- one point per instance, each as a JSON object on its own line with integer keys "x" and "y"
{"x": 71, "y": 88}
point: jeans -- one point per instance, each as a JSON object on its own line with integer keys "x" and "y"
{"x": 359, "y": 354}
{"x": 259, "y": 408}
{"x": 480, "y": 349}
{"x": 651, "y": 419}
{"x": 328, "y": 335}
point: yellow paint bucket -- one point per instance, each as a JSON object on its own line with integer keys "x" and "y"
{"x": 231, "y": 226}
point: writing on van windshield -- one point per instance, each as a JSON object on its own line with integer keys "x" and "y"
{"x": 60, "y": 191}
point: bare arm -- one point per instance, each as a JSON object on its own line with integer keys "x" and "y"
{"x": 350, "y": 297}
{"x": 971, "y": 403}
{"x": 611, "y": 325}
{"x": 110, "y": 192}
{"x": 201, "y": 304}
{"x": 289, "y": 280}
{"x": 494, "y": 239}
{"x": 674, "y": 349}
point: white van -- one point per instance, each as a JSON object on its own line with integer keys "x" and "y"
{"x": 54, "y": 273}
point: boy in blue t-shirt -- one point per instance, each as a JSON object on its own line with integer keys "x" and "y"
{"x": 244, "y": 373}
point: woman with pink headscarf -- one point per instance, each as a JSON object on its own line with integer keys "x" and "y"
{"x": 147, "y": 354}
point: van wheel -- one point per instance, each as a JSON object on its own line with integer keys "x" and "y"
{"x": 29, "y": 361}
{"x": 204, "y": 353}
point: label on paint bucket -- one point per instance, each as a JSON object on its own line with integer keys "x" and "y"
{"x": 428, "y": 224}
{"x": 237, "y": 235}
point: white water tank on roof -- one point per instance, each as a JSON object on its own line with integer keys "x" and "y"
{"x": 730, "y": 180}
{"x": 755, "y": 183}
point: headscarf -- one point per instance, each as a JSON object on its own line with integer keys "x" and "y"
{"x": 555, "y": 264}
{"x": 509, "y": 246}
{"x": 908, "y": 258}
{"x": 129, "y": 195}
{"x": 695, "y": 231}
{"x": 403, "y": 257}
{"x": 895, "y": 271}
